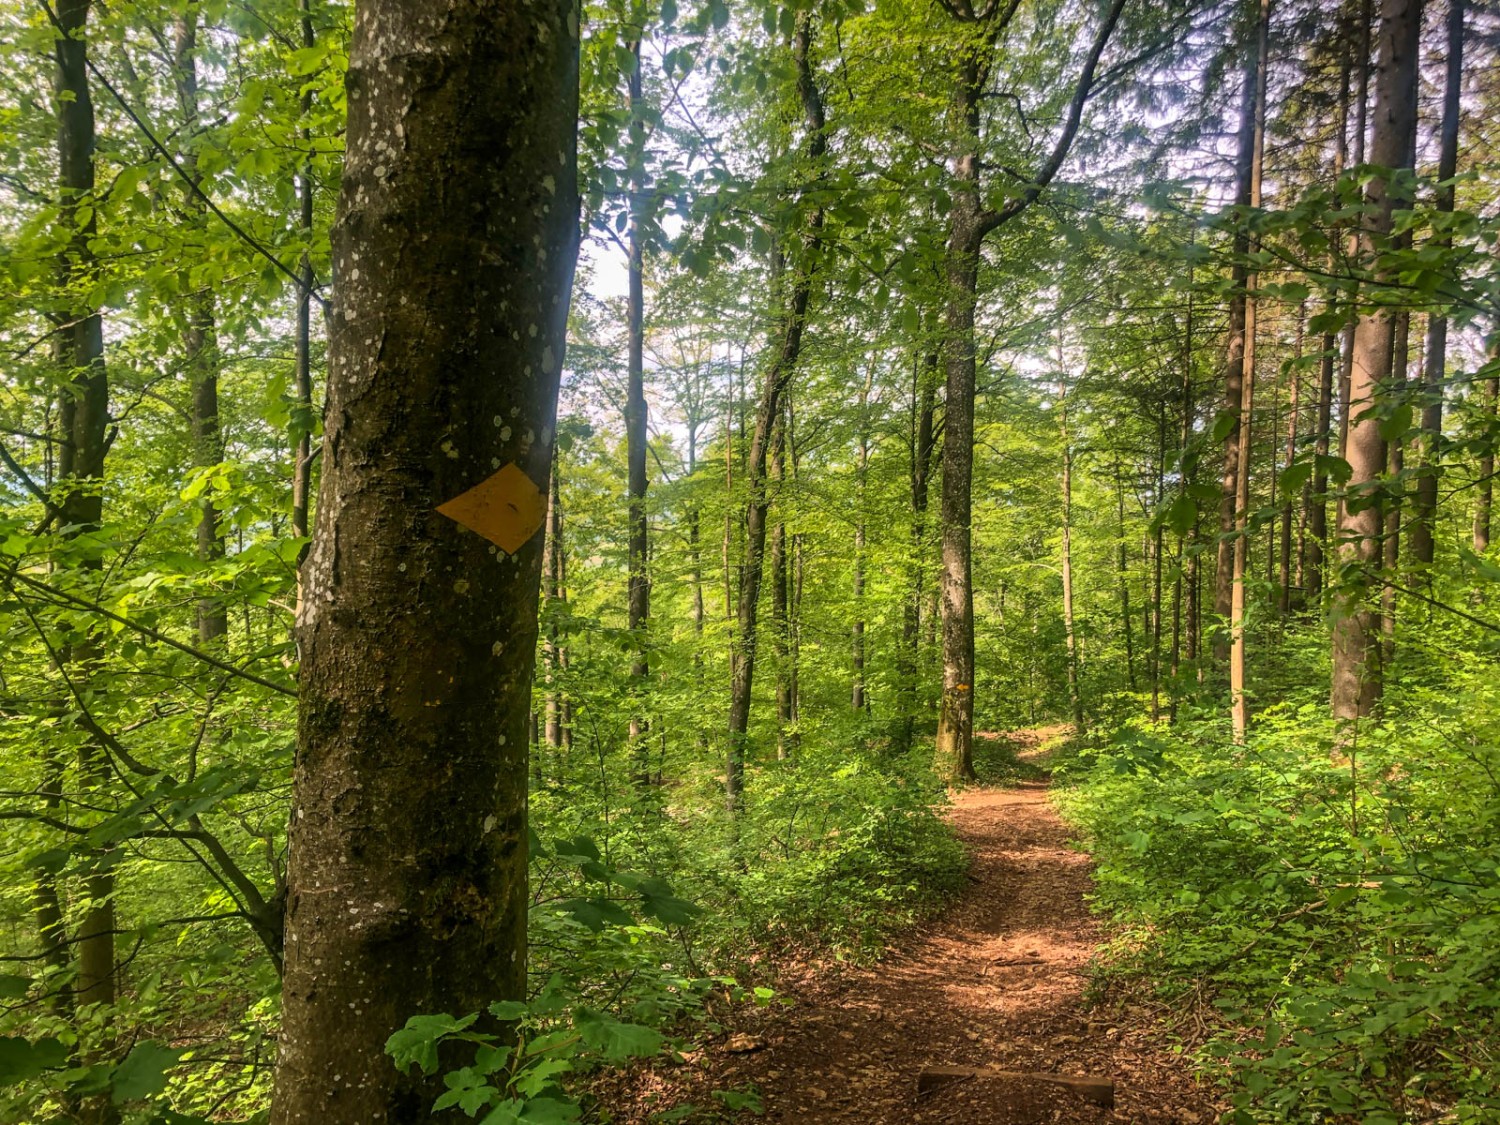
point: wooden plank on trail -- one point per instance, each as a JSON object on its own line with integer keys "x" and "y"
{"x": 1100, "y": 1091}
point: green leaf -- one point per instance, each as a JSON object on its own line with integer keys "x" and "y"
{"x": 596, "y": 913}
{"x": 143, "y": 1073}
{"x": 22, "y": 1059}
{"x": 417, "y": 1041}
{"x": 617, "y": 1041}
{"x": 1398, "y": 422}
{"x": 1182, "y": 514}
{"x": 13, "y": 987}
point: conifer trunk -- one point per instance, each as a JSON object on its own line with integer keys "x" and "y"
{"x": 1357, "y": 685}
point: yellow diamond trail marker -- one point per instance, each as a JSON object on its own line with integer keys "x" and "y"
{"x": 507, "y": 508}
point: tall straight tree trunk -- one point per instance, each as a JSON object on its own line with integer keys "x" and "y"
{"x": 1236, "y": 446}
{"x": 1285, "y": 576}
{"x": 83, "y": 419}
{"x": 639, "y": 591}
{"x": 1361, "y": 45}
{"x": 302, "y": 389}
{"x": 406, "y": 879}
{"x": 861, "y": 472}
{"x": 1424, "y": 504}
{"x": 1484, "y": 499}
{"x": 1315, "y": 495}
{"x": 1356, "y": 686}
{"x": 1075, "y": 697}
{"x": 1122, "y": 570}
{"x": 552, "y": 592}
{"x": 1395, "y": 461}
{"x": 1239, "y": 698}
{"x": 200, "y": 341}
{"x": 923, "y": 445}
{"x": 1157, "y": 537}
{"x": 780, "y": 615}
{"x": 793, "y": 323}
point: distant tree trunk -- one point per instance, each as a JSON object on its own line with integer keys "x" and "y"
{"x": 1236, "y": 447}
{"x": 1075, "y": 697}
{"x": 1356, "y": 687}
{"x": 1395, "y": 461}
{"x": 1424, "y": 506}
{"x": 857, "y": 698}
{"x": 1122, "y": 571}
{"x": 923, "y": 445}
{"x": 1484, "y": 499}
{"x": 1239, "y": 699}
{"x": 1285, "y": 577}
{"x": 406, "y": 881}
{"x": 200, "y": 340}
{"x": 793, "y": 322}
{"x": 780, "y": 610}
{"x": 1156, "y": 562}
{"x": 552, "y": 592}
{"x": 639, "y": 591}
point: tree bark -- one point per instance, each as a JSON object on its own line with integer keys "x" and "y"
{"x": 200, "y": 341}
{"x": 1356, "y": 685}
{"x": 857, "y": 698}
{"x": 1425, "y": 502}
{"x": 453, "y": 249}
{"x": 923, "y": 446}
{"x": 1239, "y": 699}
{"x": 302, "y": 388}
{"x": 1075, "y": 697}
{"x": 1285, "y": 577}
{"x": 793, "y": 323}
{"x": 639, "y": 591}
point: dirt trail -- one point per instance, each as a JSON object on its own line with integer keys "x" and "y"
{"x": 995, "y": 982}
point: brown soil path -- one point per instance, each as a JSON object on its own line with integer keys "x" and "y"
{"x": 996, "y": 982}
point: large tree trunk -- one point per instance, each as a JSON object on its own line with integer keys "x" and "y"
{"x": 1424, "y": 503}
{"x": 639, "y": 592}
{"x": 793, "y": 322}
{"x": 453, "y": 252}
{"x": 1356, "y": 686}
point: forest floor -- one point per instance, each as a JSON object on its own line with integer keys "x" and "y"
{"x": 996, "y": 981}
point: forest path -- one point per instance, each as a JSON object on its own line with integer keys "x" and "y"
{"x": 996, "y": 981}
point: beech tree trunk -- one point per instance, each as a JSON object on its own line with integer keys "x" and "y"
{"x": 453, "y": 253}
{"x": 302, "y": 388}
{"x": 923, "y": 446}
{"x": 857, "y": 698}
{"x": 1356, "y": 686}
{"x": 639, "y": 588}
{"x": 83, "y": 420}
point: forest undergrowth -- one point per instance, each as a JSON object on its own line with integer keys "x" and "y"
{"x": 1317, "y": 918}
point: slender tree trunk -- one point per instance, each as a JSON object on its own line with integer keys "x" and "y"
{"x": 793, "y": 323}
{"x": 1363, "y": 59}
{"x": 1075, "y": 697}
{"x": 406, "y": 881}
{"x": 200, "y": 341}
{"x": 1239, "y": 699}
{"x": 302, "y": 391}
{"x": 923, "y": 446}
{"x": 1286, "y": 578}
{"x": 1484, "y": 502}
{"x": 1424, "y": 513}
{"x": 1156, "y": 563}
{"x": 639, "y": 592}
{"x": 552, "y": 592}
{"x": 861, "y": 471}
{"x": 1236, "y": 447}
{"x": 1395, "y": 461}
{"x": 83, "y": 416}
{"x": 1122, "y": 573}
{"x": 1356, "y": 686}
{"x": 780, "y": 614}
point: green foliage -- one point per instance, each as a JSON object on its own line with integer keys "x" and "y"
{"x": 1338, "y": 904}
